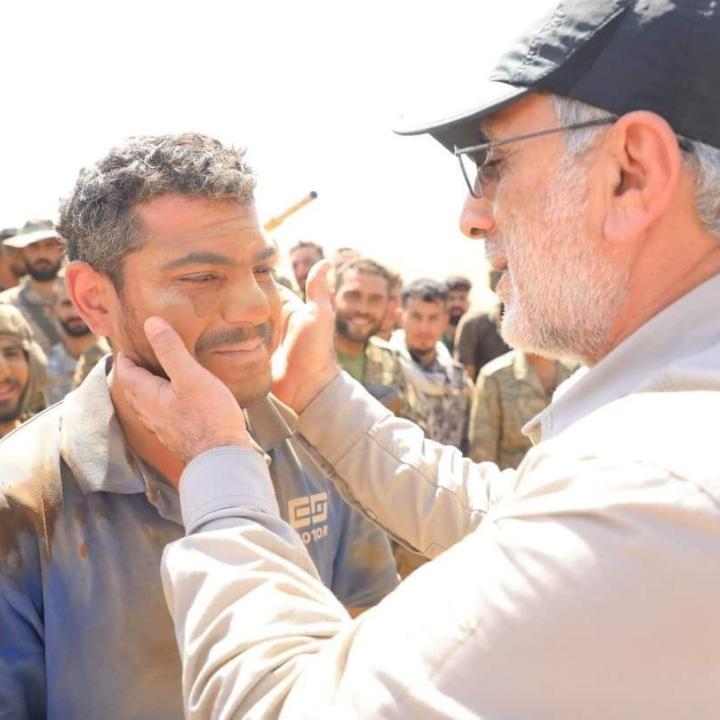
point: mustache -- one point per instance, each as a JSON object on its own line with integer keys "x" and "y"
{"x": 213, "y": 340}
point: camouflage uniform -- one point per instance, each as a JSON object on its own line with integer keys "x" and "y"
{"x": 13, "y": 325}
{"x": 385, "y": 380}
{"x": 443, "y": 392}
{"x": 37, "y": 310}
{"x": 89, "y": 359}
{"x": 508, "y": 394}
{"x": 62, "y": 369}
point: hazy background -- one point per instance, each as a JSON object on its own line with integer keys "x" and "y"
{"x": 311, "y": 88}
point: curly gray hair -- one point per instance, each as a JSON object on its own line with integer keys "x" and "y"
{"x": 97, "y": 221}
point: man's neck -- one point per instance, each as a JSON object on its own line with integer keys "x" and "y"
{"x": 424, "y": 358}
{"x": 644, "y": 303}
{"x": 141, "y": 441}
{"x": 349, "y": 347}
{"x": 75, "y": 346}
{"x": 42, "y": 288}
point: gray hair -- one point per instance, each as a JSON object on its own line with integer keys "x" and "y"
{"x": 98, "y": 222}
{"x": 703, "y": 160}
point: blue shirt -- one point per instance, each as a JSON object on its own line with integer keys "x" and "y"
{"x": 84, "y": 630}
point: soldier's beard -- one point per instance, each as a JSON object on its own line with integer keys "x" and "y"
{"x": 343, "y": 328}
{"x": 43, "y": 270}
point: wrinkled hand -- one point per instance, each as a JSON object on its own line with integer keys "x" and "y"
{"x": 305, "y": 362}
{"x": 190, "y": 413}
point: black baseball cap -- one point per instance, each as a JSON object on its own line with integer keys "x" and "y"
{"x": 618, "y": 55}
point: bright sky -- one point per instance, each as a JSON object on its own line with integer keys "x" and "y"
{"x": 311, "y": 88}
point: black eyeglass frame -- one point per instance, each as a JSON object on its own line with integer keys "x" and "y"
{"x": 487, "y": 147}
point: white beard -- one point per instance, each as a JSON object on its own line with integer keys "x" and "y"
{"x": 561, "y": 294}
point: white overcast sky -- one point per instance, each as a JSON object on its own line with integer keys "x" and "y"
{"x": 311, "y": 88}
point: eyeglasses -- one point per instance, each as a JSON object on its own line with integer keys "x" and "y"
{"x": 478, "y": 166}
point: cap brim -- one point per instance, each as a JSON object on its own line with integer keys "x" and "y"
{"x": 25, "y": 239}
{"x": 454, "y": 124}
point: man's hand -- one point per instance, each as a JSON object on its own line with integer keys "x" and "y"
{"x": 190, "y": 413}
{"x": 305, "y": 362}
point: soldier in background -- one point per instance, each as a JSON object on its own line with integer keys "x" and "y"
{"x": 77, "y": 341}
{"x": 362, "y": 290}
{"x": 510, "y": 391}
{"x": 458, "y": 289}
{"x": 22, "y": 369}
{"x": 442, "y": 386}
{"x": 303, "y": 256}
{"x": 12, "y": 264}
{"x": 344, "y": 255}
{"x": 478, "y": 340}
{"x": 41, "y": 248}
{"x": 391, "y": 321}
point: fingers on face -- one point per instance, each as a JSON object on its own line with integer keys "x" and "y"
{"x": 168, "y": 347}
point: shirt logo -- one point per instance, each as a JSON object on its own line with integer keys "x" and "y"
{"x": 308, "y": 514}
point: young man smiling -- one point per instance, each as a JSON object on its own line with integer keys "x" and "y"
{"x": 163, "y": 226}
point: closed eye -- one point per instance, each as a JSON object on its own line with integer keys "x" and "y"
{"x": 264, "y": 269}
{"x": 199, "y": 278}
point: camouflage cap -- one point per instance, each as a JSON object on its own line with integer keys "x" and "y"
{"x": 33, "y": 231}
{"x": 13, "y": 325}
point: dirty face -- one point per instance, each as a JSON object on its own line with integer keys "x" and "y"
{"x": 206, "y": 268}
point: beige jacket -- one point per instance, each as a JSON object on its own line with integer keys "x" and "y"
{"x": 583, "y": 585}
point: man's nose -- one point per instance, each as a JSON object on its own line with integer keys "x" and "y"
{"x": 246, "y": 303}
{"x": 476, "y": 218}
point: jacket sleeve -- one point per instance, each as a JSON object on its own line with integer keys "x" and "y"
{"x": 426, "y": 495}
{"x": 542, "y": 611}
{"x": 485, "y": 421}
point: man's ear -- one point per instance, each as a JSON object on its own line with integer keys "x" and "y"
{"x": 643, "y": 174}
{"x": 93, "y": 295}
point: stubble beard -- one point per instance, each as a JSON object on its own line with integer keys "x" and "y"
{"x": 342, "y": 328}
{"x": 563, "y": 293}
{"x": 144, "y": 356}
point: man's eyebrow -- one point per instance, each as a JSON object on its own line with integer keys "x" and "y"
{"x": 266, "y": 253}
{"x": 199, "y": 257}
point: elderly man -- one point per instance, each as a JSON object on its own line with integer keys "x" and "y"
{"x": 41, "y": 248}
{"x": 584, "y": 584}
{"x": 22, "y": 369}
{"x": 89, "y": 497}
